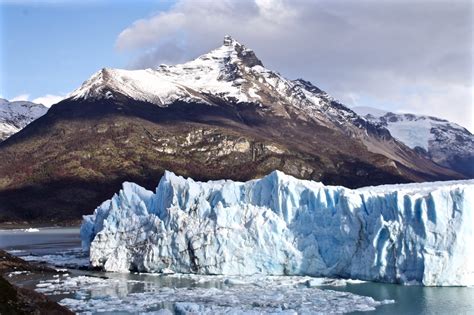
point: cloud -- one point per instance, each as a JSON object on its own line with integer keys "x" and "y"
{"x": 48, "y": 100}
{"x": 412, "y": 55}
{"x": 21, "y": 97}
{"x": 444, "y": 100}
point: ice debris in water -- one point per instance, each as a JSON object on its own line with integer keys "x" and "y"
{"x": 279, "y": 225}
{"x": 73, "y": 258}
{"x": 253, "y": 295}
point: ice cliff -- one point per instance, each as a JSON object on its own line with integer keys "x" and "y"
{"x": 279, "y": 225}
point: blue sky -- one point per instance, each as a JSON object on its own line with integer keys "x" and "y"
{"x": 397, "y": 55}
{"x": 52, "y": 47}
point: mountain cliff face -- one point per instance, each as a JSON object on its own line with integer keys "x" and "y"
{"x": 14, "y": 116}
{"x": 222, "y": 115}
{"x": 444, "y": 142}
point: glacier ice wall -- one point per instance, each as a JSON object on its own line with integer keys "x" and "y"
{"x": 279, "y": 225}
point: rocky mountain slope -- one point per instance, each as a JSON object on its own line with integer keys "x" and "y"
{"x": 444, "y": 142}
{"x": 222, "y": 115}
{"x": 14, "y": 116}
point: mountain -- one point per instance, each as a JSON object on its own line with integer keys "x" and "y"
{"x": 14, "y": 116}
{"x": 222, "y": 115}
{"x": 444, "y": 142}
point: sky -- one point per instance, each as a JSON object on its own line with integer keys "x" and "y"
{"x": 398, "y": 55}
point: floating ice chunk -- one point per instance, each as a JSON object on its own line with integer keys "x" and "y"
{"x": 167, "y": 271}
{"x": 279, "y": 225}
{"x": 31, "y": 230}
{"x": 16, "y": 273}
{"x": 319, "y": 282}
{"x": 233, "y": 281}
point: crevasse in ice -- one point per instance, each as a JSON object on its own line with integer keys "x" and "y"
{"x": 280, "y": 225}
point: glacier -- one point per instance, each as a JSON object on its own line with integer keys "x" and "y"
{"x": 418, "y": 233}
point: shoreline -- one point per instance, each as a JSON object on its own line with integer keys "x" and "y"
{"x": 16, "y": 225}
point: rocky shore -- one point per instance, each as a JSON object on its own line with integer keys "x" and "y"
{"x": 17, "y": 300}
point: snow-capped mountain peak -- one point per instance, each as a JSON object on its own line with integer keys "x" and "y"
{"x": 231, "y": 72}
{"x": 234, "y": 52}
{"x": 219, "y": 72}
{"x": 14, "y": 116}
{"x": 444, "y": 142}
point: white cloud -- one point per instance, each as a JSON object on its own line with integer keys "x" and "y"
{"x": 48, "y": 100}
{"x": 444, "y": 103}
{"x": 145, "y": 31}
{"x": 21, "y": 97}
{"x": 410, "y": 55}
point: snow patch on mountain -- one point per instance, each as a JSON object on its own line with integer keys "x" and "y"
{"x": 279, "y": 225}
{"x": 414, "y": 133}
{"x": 144, "y": 85}
{"x": 16, "y": 115}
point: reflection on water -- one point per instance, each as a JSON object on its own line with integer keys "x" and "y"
{"x": 416, "y": 299}
{"x": 132, "y": 292}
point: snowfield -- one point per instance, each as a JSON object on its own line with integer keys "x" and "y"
{"x": 279, "y": 225}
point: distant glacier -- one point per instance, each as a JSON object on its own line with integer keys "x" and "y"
{"x": 280, "y": 225}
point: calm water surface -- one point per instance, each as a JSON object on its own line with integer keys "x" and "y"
{"x": 50, "y": 242}
{"x": 45, "y": 241}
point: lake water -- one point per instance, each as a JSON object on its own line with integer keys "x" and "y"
{"x": 114, "y": 293}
